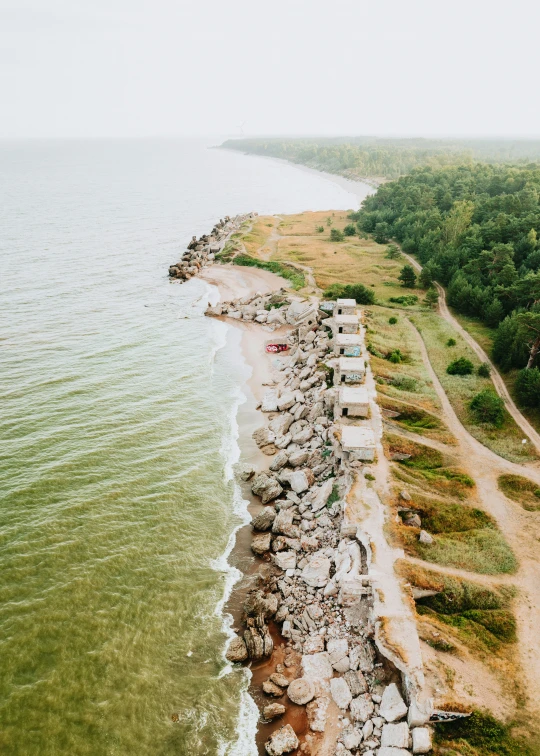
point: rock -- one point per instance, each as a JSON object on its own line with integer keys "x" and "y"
{"x": 284, "y": 524}
{"x": 282, "y": 543}
{"x": 340, "y": 692}
{"x": 362, "y": 657}
{"x": 362, "y": 708}
{"x": 419, "y": 713}
{"x": 356, "y": 682}
{"x": 389, "y": 751}
{"x": 316, "y": 667}
{"x": 269, "y": 402}
{"x": 316, "y": 572}
{"x": 261, "y": 543}
{"x": 321, "y": 495}
{"x": 301, "y": 480}
{"x": 395, "y": 735}
{"x": 271, "y": 689}
{"x": 303, "y": 436}
{"x": 263, "y": 436}
{"x": 392, "y": 706}
{"x": 269, "y": 449}
{"x": 405, "y": 496}
{"x": 337, "y": 648}
{"x": 301, "y": 691}
{"x": 313, "y": 645}
{"x": 237, "y": 650}
{"x": 286, "y": 400}
{"x": 351, "y": 737}
{"x": 264, "y": 520}
{"x": 367, "y": 729}
{"x": 280, "y": 461}
{"x": 330, "y": 589}
{"x": 412, "y": 520}
{"x": 265, "y": 487}
{"x": 244, "y": 471}
{"x": 298, "y": 458}
{"x": 274, "y": 710}
{"x": 285, "y": 560}
{"x": 281, "y": 741}
{"x": 281, "y": 424}
{"x": 258, "y": 640}
{"x": 278, "y": 679}
{"x": 421, "y": 740}
{"x": 317, "y": 712}
{"x": 425, "y": 537}
{"x": 283, "y": 441}
{"x": 257, "y": 604}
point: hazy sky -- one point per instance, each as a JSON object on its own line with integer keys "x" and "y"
{"x": 170, "y": 67}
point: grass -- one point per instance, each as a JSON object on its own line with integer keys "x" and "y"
{"x": 460, "y": 389}
{"x": 521, "y": 490}
{"x": 484, "y": 551}
{"x": 427, "y": 463}
{"x": 481, "y": 735}
{"x": 294, "y": 276}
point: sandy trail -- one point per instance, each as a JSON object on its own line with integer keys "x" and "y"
{"x": 521, "y": 529}
{"x": 498, "y": 382}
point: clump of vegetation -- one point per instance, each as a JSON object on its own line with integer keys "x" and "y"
{"x": 395, "y": 356}
{"x": 334, "y": 496}
{"x": 461, "y": 366}
{"x": 521, "y": 490}
{"x": 350, "y": 229}
{"x": 358, "y": 291}
{"x": 227, "y": 253}
{"x": 296, "y": 277}
{"x": 528, "y": 387}
{"x": 482, "y": 733}
{"x": 407, "y": 300}
{"x": 320, "y": 229}
{"x": 405, "y": 383}
{"x": 369, "y": 476}
{"x": 392, "y": 320}
{"x": 484, "y": 371}
{"x": 407, "y": 277}
{"x": 487, "y": 407}
{"x": 451, "y": 343}
{"x": 336, "y": 235}
{"x": 432, "y": 297}
{"x": 392, "y": 252}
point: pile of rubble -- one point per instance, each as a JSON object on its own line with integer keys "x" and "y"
{"x": 203, "y": 251}
{"x": 315, "y": 580}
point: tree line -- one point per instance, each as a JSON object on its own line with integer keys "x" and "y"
{"x": 475, "y": 229}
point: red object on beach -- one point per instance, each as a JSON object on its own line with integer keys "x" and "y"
{"x": 276, "y": 348}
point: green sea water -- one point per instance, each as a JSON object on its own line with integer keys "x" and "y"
{"x": 118, "y": 404}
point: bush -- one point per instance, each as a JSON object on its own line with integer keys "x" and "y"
{"x": 349, "y": 230}
{"x": 359, "y": 292}
{"x": 406, "y": 299}
{"x": 395, "y": 356}
{"x": 484, "y": 371}
{"x": 392, "y": 252}
{"x": 320, "y": 229}
{"x": 451, "y": 343}
{"x": 405, "y": 383}
{"x": 528, "y": 387}
{"x": 461, "y": 366}
{"x": 336, "y": 235}
{"x": 392, "y": 320}
{"x": 488, "y": 408}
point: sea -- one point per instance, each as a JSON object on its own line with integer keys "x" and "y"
{"x": 118, "y": 432}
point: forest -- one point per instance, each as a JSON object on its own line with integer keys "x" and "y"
{"x": 388, "y": 158}
{"x": 475, "y": 229}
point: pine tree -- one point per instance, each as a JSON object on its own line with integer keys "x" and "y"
{"x": 408, "y": 277}
{"x": 432, "y": 297}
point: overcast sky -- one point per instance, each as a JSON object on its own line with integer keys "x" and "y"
{"x": 205, "y": 67}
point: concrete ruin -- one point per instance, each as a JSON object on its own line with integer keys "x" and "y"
{"x": 348, "y": 344}
{"x": 350, "y": 370}
{"x": 345, "y": 307}
{"x": 351, "y": 402}
{"x": 345, "y": 324}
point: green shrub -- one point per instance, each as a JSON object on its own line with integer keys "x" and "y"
{"x": 528, "y": 387}
{"x": 293, "y": 275}
{"x": 407, "y": 277}
{"x": 336, "y": 235}
{"x": 392, "y": 252}
{"x": 320, "y": 229}
{"x": 501, "y": 623}
{"x": 484, "y": 371}
{"x": 358, "y": 291}
{"x": 392, "y": 321}
{"x": 461, "y": 366}
{"x": 395, "y": 356}
{"x": 482, "y": 732}
{"x": 406, "y": 299}
{"x": 451, "y": 343}
{"x": 488, "y": 407}
{"x": 405, "y": 383}
{"x": 350, "y": 229}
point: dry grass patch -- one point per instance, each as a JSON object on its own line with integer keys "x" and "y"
{"x": 521, "y": 490}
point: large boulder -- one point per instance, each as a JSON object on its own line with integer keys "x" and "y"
{"x": 356, "y": 682}
{"x": 263, "y": 437}
{"x": 282, "y": 741}
{"x": 271, "y": 689}
{"x": 340, "y": 692}
{"x": 258, "y": 604}
{"x": 421, "y": 740}
{"x": 392, "y": 707}
{"x": 286, "y": 400}
{"x": 269, "y": 401}
{"x": 362, "y": 708}
{"x": 237, "y": 650}
{"x": 279, "y": 461}
{"x": 316, "y": 572}
{"x": 395, "y": 735}
{"x": 320, "y": 495}
{"x": 285, "y": 560}
{"x": 317, "y": 667}
{"x": 258, "y": 640}
{"x": 261, "y": 543}
{"x": 281, "y": 424}
{"x": 317, "y": 712}
{"x": 283, "y": 524}
{"x": 265, "y": 487}
{"x": 301, "y": 691}
{"x": 274, "y": 710}
{"x": 301, "y": 480}
{"x": 264, "y": 520}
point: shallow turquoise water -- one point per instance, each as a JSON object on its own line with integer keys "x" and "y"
{"x": 117, "y": 427}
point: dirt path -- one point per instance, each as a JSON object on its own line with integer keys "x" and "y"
{"x": 521, "y": 529}
{"x": 498, "y": 382}
{"x": 270, "y": 246}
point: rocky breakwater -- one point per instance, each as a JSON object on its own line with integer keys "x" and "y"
{"x": 201, "y": 252}
{"x": 314, "y": 579}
